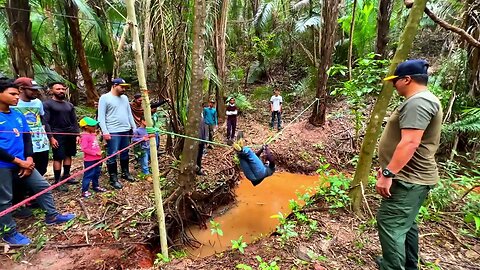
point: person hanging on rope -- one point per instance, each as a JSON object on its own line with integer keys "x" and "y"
{"x": 16, "y": 164}
{"x": 251, "y": 164}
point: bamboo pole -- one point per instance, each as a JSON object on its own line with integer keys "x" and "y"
{"x": 148, "y": 117}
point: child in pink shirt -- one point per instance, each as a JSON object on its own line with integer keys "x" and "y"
{"x": 92, "y": 153}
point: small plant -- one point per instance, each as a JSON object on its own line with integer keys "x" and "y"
{"x": 239, "y": 244}
{"x": 215, "y": 228}
{"x": 160, "y": 259}
{"x": 272, "y": 265}
{"x": 286, "y": 228}
{"x": 336, "y": 194}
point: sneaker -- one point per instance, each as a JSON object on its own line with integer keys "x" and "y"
{"x": 60, "y": 218}
{"x": 16, "y": 238}
{"x": 86, "y": 194}
{"x": 100, "y": 189}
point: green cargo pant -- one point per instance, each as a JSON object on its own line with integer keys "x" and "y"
{"x": 397, "y": 229}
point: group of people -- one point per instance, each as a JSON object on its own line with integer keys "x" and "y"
{"x": 28, "y": 127}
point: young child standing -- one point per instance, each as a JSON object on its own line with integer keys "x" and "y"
{"x": 92, "y": 153}
{"x": 232, "y": 113}
{"x": 276, "y": 109}
{"x": 140, "y": 134}
{"x": 211, "y": 119}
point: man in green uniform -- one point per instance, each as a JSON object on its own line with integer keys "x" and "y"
{"x": 408, "y": 170}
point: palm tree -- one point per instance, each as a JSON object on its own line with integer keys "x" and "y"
{"x": 327, "y": 46}
{"x": 385, "y": 8}
{"x": 20, "y": 40}
{"x": 71, "y": 9}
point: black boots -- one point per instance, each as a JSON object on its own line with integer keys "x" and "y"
{"x": 126, "y": 171}
{"x": 112, "y": 172}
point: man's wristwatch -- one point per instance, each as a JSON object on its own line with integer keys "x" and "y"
{"x": 387, "y": 173}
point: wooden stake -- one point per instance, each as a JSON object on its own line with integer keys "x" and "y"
{"x": 148, "y": 117}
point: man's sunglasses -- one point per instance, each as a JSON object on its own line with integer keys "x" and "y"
{"x": 394, "y": 81}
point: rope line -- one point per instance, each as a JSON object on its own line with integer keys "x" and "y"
{"x": 271, "y": 139}
{"x": 29, "y": 199}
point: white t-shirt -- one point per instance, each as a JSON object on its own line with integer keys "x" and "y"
{"x": 276, "y": 102}
{"x": 33, "y": 110}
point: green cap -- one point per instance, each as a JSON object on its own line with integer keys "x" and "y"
{"x": 87, "y": 121}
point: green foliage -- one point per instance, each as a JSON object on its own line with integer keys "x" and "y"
{"x": 286, "y": 228}
{"x": 471, "y": 211}
{"x": 215, "y": 228}
{"x": 239, "y": 244}
{"x": 263, "y": 265}
{"x": 242, "y": 102}
{"x": 336, "y": 195}
{"x": 263, "y": 92}
{"x": 160, "y": 259}
{"x": 366, "y": 81}
{"x": 365, "y": 25}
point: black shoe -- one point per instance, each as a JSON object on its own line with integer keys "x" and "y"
{"x": 114, "y": 181}
{"x": 125, "y": 171}
{"x": 72, "y": 181}
{"x": 201, "y": 173}
{"x": 23, "y": 212}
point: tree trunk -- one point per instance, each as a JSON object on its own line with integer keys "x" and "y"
{"x": 350, "y": 46}
{"x": 146, "y": 33}
{"x": 148, "y": 117}
{"x": 72, "y": 11}
{"x": 472, "y": 26}
{"x": 385, "y": 8}
{"x": 220, "y": 44}
{"x": 327, "y": 46}
{"x": 190, "y": 147}
{"x": 374, "y": 126}
{"x": 20, "y": 40}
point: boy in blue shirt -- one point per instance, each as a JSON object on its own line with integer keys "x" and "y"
{"x": 16, "y": 164}
{"x": 211, "y": 119}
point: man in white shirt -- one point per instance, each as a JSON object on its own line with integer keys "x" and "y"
{"x": 276, "y": 109}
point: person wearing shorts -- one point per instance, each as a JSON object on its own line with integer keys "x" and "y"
{"x": 60, "y": 116}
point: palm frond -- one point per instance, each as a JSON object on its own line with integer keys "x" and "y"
{"x": 263, "y": 16}
{"x": 304, "y": 23}
{"x": 211, "y": 72}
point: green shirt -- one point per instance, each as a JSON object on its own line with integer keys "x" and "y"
{"x": 421, "y": 111}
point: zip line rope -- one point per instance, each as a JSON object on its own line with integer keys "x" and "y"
{"x": 268, "y": 141}
{"x": 29, "y": 199}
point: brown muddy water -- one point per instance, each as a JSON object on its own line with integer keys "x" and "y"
{"x": 251, "y": 216}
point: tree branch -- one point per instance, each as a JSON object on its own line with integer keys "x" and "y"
{"x": 470, "y": 39}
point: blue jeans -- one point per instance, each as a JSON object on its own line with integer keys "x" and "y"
{"x": 117, "y": 143}
{"x": 91, "y": 175}
{"x": 35, "y": 182}
{"x": 278, "y": 116}
{"x": 144, "y": 159}
{"x": 252, "y": 166}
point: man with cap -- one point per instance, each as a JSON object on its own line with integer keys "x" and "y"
{"x": 16, "y": 165}
{"x": 116, "y": 121}
{"x": 407, "y": 164}
{"x": 61, "y": 117}
{"x": 32, "y": 108}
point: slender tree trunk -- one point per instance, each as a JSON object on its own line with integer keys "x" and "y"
{"x": 72, "y": 11}
{"x": 374, "y": 126}
{"x": 220, "y": 44}
{"x": 146, "y": 33}
{"x": 106, "y": 43}
{"x": 327, "y": 46}
{"x": 472, "y": 26}
{"x": 350, "y": 46}
{"x": 190, "y": 147}
{"x": 385, "y": 8}
{"x": 20, "y": 40}
{"x": 148, "y": 117}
